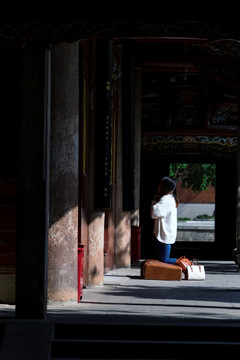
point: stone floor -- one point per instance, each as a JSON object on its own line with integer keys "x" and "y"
{"x": 127, "y": 298}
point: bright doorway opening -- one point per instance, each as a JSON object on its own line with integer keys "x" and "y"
{"x": 196, "y": 193}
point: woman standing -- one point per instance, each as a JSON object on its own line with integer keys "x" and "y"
{"x": 164, "y": 212}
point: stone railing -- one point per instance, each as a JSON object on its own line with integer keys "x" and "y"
{"x": 201, "y": 231}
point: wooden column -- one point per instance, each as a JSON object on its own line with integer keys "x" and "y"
{"x": 238, "y": 197}
{"x": 137, "y": 144}
{"x": 127, "y": 128}
{"x": 122, "y": 246}
{"x": 103, "y": 125}
{"x": 100, "y": 158}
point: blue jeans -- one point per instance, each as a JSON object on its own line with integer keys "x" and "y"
{"x": 163, "y": 252}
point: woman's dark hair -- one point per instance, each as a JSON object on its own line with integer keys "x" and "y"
{"x": 166, "y": 186}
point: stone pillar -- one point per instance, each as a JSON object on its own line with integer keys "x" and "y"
{"x": 95, "y": 249}
{"x": 97, "y": 201}
{"x": 63, "y": 230}
{"x": 33, "y": 183}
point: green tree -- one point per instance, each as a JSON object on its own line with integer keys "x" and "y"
{"x": 196, "y": 177}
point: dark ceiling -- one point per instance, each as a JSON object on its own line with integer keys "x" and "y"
{"x": 189, "y": 84}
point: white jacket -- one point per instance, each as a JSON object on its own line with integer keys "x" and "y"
{"x": 165, "y": 214}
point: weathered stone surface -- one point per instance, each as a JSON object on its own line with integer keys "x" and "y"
{"x": 63, "y": 232}
{"x": 96, "y": 249}
{"x": 123, "y": 241}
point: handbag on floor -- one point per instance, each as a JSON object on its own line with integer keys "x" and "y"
{"x": 183, "y": 262}
{"x": 195, "y": 271}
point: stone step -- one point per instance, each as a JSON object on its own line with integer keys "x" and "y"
{"x": 115, "y": 341}
{"x": 2, "y": 331}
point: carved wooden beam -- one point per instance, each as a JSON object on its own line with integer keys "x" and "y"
{"x": 14, "y": 33}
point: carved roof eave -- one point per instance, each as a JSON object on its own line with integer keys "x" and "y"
{"x": 158, "y": 146}
{"x": 57, "y": 31}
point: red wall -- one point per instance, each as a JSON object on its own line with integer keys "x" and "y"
{"x": 188, "y": 196}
